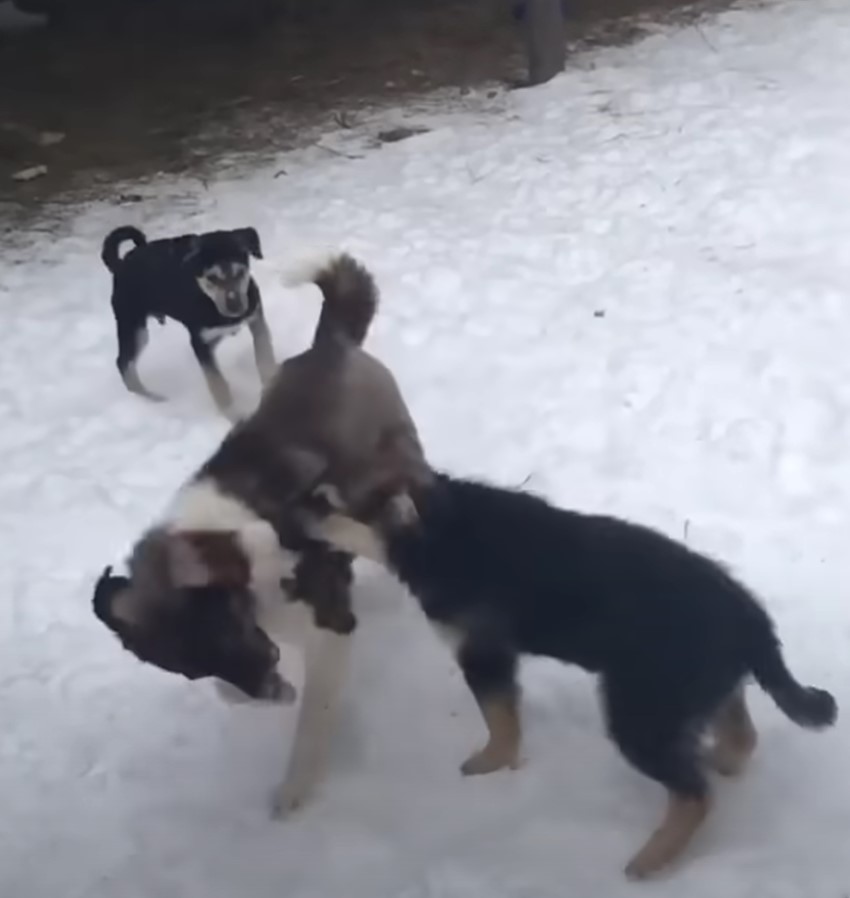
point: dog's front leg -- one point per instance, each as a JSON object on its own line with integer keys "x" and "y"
{"x": 263, "y": 349}
{"x": 218, "y": 386}
{"x": 326, "y": 663}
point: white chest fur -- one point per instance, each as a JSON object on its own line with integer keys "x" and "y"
{"x": 211, "y": 334}
{"x": 201, "y": 505}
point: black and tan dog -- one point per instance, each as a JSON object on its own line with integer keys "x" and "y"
{"x": 195, "y": 599}
{"x": 670, "y": 633}
{"x": 201, "y": 280}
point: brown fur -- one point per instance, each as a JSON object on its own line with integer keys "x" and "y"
{"x": 683, "y": 818}
{"x": 735, "y": 736}
{"x": 220, "y": 555}
{"x": 333, "y": 412}
{"x": 501, "y": 716}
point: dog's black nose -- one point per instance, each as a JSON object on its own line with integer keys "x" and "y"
{"x": 233, "y": 303}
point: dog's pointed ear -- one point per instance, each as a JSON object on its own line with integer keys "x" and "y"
{"x": 250, "y": 239}
{"x": 206, "y": 557}
{"x": 114, "y": 602}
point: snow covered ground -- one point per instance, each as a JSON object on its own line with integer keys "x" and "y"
{"x": 629, "y": 287}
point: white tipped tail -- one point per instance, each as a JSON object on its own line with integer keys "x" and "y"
{"x": 350, "y": 296}
{"x": 309, "y": 267}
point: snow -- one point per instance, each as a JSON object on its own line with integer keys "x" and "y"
{"x": 627, "y": 287}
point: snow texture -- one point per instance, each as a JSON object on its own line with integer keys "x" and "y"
{"x": 627, "y": 288}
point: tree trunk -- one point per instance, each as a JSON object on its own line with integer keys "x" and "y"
{"x": 546, "y": 40}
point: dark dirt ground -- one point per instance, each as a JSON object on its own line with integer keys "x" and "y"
{"x": 164, "y": 99}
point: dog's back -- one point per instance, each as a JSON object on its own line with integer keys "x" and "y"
{"x": 591, "y": 590}
{"x": 335, "y": 403}
{"x": 597, "y": 591}
{"x": 148, "y": 262}
{"x": 337, "y": 397}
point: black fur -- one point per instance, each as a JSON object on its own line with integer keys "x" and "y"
{"x": 159, "y": 279}
{"x": 670, "y": 632}
{"x": 323, "y": 581}
{"x": 110, "y": 253}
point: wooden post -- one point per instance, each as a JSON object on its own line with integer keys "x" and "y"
{"x": 546, "y": 39}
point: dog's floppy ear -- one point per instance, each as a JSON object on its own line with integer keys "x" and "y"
{"x": 250, "y": 239}
{"x": 114, "y": 602}
{"x": 206, "y": 557}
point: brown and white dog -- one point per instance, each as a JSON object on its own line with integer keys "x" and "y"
{"x": 195, "y": 601}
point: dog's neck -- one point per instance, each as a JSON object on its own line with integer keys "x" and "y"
{"x": 202, "y": 505}
{"x": 263, "y": 475}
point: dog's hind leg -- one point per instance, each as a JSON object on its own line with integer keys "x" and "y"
{"x": 263, "y": 348}
{"x": 132, "y": 339}
{"x": 489, "y": 668}
{"x": 735, "y": 735}
{"x": 217, "y": 385}
{"x": 684, "y": 816}
{"x": 664, "y": 747}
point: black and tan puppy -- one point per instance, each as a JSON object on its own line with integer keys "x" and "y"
{"x": 201, "y": 280}
{"x": 195, "y": 599}
{"x": 670, "y": 633}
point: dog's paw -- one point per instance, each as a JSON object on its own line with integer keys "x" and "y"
{"x": 489, "y": 760}
{"x": 648, "y": 863}
{"x": 145, "y": 393}
{"x": 286, "y": 801}
{"x": 639, "y": 869}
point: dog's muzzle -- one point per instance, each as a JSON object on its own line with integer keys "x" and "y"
{"x": 274, "y": 690}
{"x": 234, "y": 304}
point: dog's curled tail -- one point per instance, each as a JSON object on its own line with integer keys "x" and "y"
{"x": 113, "y": 241}
{"x": 807, "y": 706}
{"x": 350, "y": 297}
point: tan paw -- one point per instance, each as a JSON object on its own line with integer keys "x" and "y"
{"x": 489, "y": 760}
{"x": 664, "y": 847}
{"x": 640, "y": 867}
{"x": 287, "y": 801}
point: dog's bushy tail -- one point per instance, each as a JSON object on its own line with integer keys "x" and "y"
{"x": 113, "y": 241}
{"x": 807, "y": 706}
{"x": 350, "y": 297}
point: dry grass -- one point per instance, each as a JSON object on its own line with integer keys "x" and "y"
{"x": 134, "y": 105}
